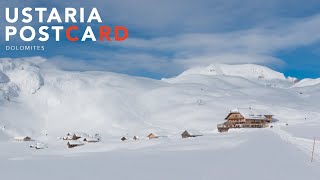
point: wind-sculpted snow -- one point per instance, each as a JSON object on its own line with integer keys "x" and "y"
{"x": 22, "y": 73}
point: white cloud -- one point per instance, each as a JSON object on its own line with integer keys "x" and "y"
{"x": 168, "y": 36}
{"x": 259, "y": 40}
{"x": 256, "y": 45}
{"x": 171, "y": 55}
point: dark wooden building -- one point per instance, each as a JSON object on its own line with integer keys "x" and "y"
{"x": 22, "y": 138}
{"x": 188, "y": 133}
{"x": 91, "y": 139}
{"x": 135, "y": 138}
{"x": 72, "y": 144}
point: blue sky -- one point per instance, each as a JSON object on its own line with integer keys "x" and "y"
{"x": 167, "y": 37}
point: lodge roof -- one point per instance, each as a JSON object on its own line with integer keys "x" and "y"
{"x": 79, "y": 134}
{"x": 22, "y": 137}
{"x": 39, "y": 145}
{"x": 75, "y": 142}
{"x": 91, "y": 139}
{"x": 249, "y": 113}
{"x": 192, "y": 132}
{"x": 152, "y": 134}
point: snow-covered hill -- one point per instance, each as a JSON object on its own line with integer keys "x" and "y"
{"x": 258, "y": 74}
{"x": 59, "y": 101}
{"x": 307, "y": 82}
{"x": 250, "y": 71}
{"x": 36, "y": 101}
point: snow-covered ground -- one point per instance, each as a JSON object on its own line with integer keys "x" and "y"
{"x": 44, "y": 103}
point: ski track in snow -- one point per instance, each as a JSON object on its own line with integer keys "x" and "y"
{"x": 303, "y": 144}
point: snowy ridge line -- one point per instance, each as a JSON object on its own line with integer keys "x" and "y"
{"x": 307, "y": 82}
{"x": 242, "y": 70}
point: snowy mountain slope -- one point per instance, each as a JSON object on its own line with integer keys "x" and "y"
{"x": 57, "y": 101}
{"x": 256, "y": 73}
{"x": 307, "y": 82}
{"x": 251, "y": 71}
{"x": 22, "y": 73}
{"x": 81, "y": 101}
{"x": 38, "y": 101}
{"x": 4, "y": 78}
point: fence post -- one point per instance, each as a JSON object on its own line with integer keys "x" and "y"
{"x": 314, "y": 142}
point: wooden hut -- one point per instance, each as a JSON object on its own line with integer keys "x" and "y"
{"x": 68, "y": 137}
{"x": 124, "y": 138}
{"x": 152, "y": 136}
{"x": 22, "y": 138}
{"x": 222, "y": 127}
{"x": 79, "y": 135}
{"x": 135, "y": 138}
{"x": 189, "y": 133}
{"x": 75, "y": 137}
{"x": 72, "y": 144}
{"x": 91, "y": 140}
{"x": 39, "y": 145}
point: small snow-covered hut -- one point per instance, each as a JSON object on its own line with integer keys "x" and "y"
{"x": 135, "y": 138}
{"x": 22, "y": 138}
{"x": 190, "y": 133}
{"x": 39, "y": 145}
{"x": 223, "y": 127}
{"x": 152, "y": 136}
{"x": 91, "y": 139}
{"x": 78, "y": 135}
{"x": 72, "y": 144}
{"x": 68, "y": 137}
